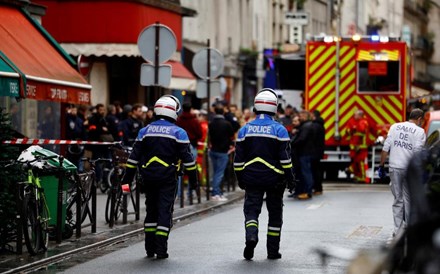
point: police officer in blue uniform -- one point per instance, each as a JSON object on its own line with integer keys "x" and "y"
{"x": 262, "y": 164}
{"x": 156, "y": 154}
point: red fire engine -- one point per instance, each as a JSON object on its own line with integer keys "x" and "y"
{"x": 347, "y": 74}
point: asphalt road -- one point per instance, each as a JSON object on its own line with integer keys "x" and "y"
{"x": 352, "y": 217}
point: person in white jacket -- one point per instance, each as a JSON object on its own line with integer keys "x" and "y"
{"x": 403, "y": 141}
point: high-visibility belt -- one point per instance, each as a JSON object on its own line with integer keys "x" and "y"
{"x": 260, "y": 160}
{"x": 155, "y": 159}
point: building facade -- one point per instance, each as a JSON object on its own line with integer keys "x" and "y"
{"x": 240, "y": 30}
{"x": 105, "y": 35}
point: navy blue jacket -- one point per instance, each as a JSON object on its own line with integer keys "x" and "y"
{"x": 129, "y": 129}
{"x": 262, "y": 155}
{"x": 157, "y": 151}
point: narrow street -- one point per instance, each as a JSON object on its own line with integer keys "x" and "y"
{"x": 347, "y": 216}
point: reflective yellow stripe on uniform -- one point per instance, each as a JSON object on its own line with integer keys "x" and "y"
{"x": 150, "y": 227}
{"x": 252, "y": 223}
{"x": 260, "y": 160}
{"x": 155, "y": 159}
{"x": 130, "y": 166}
{"x": 273, "y": 234}
{"x": 273, "y": 231}
{"x": 161, "y": 233}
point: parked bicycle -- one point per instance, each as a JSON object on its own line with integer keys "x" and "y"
{"x": 108, "y": 169}
{"x": 83, "y": 184}
{"x": 117, "y": 199}
{"x": 33, "y": 208}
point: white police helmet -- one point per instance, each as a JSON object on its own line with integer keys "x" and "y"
{"x": 168, "y": 106}
{"x": 266, "y": 100}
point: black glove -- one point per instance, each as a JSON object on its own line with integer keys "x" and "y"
{"x": 291, "y": 186}
{"x": 241, "y": 185}
{"x": 381, "y": 171}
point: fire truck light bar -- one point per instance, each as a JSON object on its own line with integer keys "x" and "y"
{"x": 355, "y": 38}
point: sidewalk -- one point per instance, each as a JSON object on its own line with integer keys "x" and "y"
{"x": 105, "y": 233}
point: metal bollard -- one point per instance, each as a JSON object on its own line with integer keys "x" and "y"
{"x": 19, "y": 218}
{"x": 59, "y": 228}
{"x": 78, "y": 207}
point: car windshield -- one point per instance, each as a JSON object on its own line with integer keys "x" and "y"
{"x": 433, "y": 126}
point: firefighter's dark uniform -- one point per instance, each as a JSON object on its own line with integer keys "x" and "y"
{"x": 156, "y": 152}
{"x": 262, "y": 164}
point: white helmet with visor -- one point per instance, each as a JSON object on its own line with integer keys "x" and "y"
{"x": 168, "y": 106}
{"x": 266, "y": 100}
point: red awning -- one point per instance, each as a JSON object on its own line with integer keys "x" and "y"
{"x": 179, "y": 70}
{"x": 49, "y": 76}
{"x": 181, "y": 77}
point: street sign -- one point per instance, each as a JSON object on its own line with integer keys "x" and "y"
{"x": 147, "y": 43}
{"x": 296, "y": 18}
{"x": 200, "y": 63}
{"x": 84, "y": 65}
{"x": 147, "y": 75}
{"x": 296, "y": 34}
{"x": 202, "y": 88}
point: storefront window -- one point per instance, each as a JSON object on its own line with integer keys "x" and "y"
{"x": 34, "y": 119}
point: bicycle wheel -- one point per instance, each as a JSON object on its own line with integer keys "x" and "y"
{"x": 118, "y": 204}
{"x": 44, "y": 222}
{"x": 31, "y": 226}
{"x": 71, "y": 210}
{"x": 116, "y": 212}
{"x": 108, "y": 173}
{"x": 108, "y": 207}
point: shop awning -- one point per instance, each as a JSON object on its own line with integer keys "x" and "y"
{"x": 181, "y": 77}
{"x": 102, "y": 49}
{"x": 12, "y": 81}
{"x": 49, "y": 75}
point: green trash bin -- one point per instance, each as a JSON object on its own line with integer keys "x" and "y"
{"x": 49, "y": 183}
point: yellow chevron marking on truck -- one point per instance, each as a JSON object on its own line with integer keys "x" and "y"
{"x": 347, "y": 81}
{"x": 370, "y": 111}
{"x": 316, "y": 53}
{"x": 327, "y": 92}
{"x": 330, "y": 131}
{"x": 395, "y": 111}
{"x": 322, "y": 58}
{"x": 348, "y": 57}
{"x": 323, "y": 69}
{"x": 350, "y": 102}
{"x": 318, "y": 76}
{"x": 348, "y": 69}
{"x": 317, "y": 102}
{"x": 396, "y": 101}
{"x": 323, "y": 81}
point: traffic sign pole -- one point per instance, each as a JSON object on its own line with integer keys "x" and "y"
{"x": 208, "y": 89}
{"x": 156, "y": 55}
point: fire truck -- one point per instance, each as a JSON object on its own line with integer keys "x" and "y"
{"x": 344, "y": 74}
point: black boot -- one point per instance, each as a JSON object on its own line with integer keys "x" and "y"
{"x": 248, "y": 252}
{"x": 150, "y": 245}
{"x": 274, "y": 256}
{"x": 161, "y": 247}
{"x": 273, "y": 247}
{"x": 162, "y": 256}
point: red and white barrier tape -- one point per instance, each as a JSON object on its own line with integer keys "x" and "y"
{"x": 28, "y": 141}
